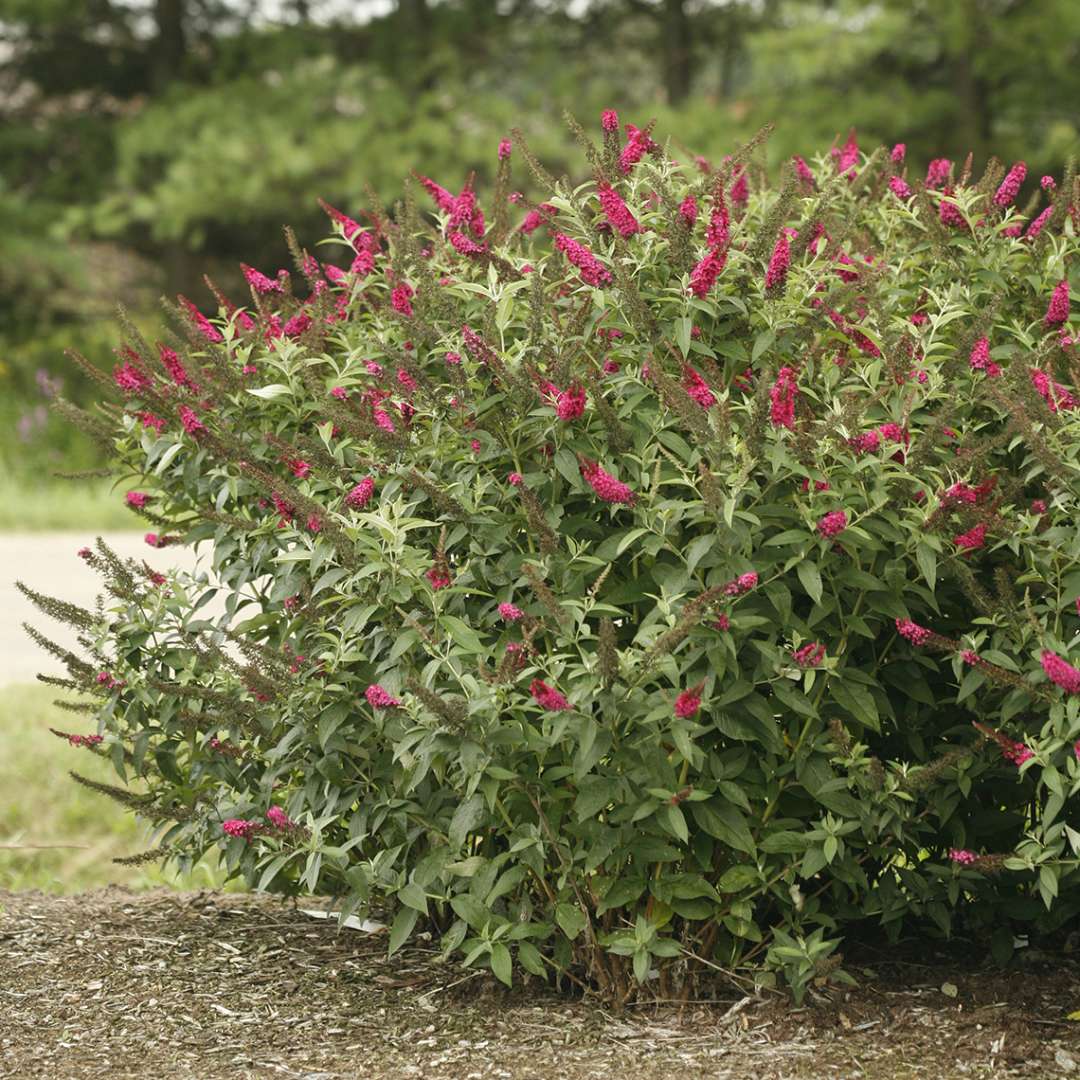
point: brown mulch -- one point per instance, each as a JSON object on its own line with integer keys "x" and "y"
{"x": 165, "y": 984}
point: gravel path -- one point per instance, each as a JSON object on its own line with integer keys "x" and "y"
{"x": 48, "y": 562}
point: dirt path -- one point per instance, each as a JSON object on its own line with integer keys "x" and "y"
{"x": 163, "y": 984}
{"x": 48, "y": 562}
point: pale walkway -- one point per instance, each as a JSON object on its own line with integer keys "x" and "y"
{"x": 49, "y": 563}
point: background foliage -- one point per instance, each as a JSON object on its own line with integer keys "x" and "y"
{"x": 145, "y": 142}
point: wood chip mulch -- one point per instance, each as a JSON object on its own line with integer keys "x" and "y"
{"x": 182, "y": 985}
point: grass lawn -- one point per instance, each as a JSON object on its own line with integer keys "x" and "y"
{"x": 41, "y": 804}
{"x": 65, "y": 505}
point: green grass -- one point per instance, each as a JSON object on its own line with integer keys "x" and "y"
{"x": 64, "y": 505}
{"x": 41, "y": 804}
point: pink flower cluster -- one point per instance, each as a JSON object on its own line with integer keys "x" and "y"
{"x": 547, "y": 697}
{"x": 617, "y": 212}
{"x": 361, "y": 494}
{"x": 696, "y": 386}
{"x": 109, "y": 681}
{"x": 400, "y": 299}
{"x": 900, "y": 188}
{"x": 917, "y": 635}
{"x": 779, "y": 262}
{"x": 937, "y": 172}
{"x": 810, "y": 655}
{"x": 782, "y": 395}
{"x": 589, "y": 266}
{"x": 259, "y": 281}
{"x": 607, "y": 488}
{"x": 510, "y": 612}
{"x": 948, "y": 212}
{"x": 802, "y": 171}
{"x": 742, "y": 584}
{"x": 846, "y": 157}
{"x": 569, "y": 403}
{"x": 87, "y": 741}
{"x": 190, "y": 420}
{"x": 378, "y": 698}
{"x": 172, "y": 363}
{"x": 1060, "y": 672}
{"x": 706, "y": 271}
{"x": 980, "y": 358}
{"x": 971, "y": 540}
{"x": 537, "y": 217}
{"x": 202, "y": 323}
{"x": 1053, "y": 393}
{"x": 238, "y": 827}
{"x": 1057, "y": 311}
{"x": 136, "y": 499}
{"x": 438, "y": 579}
{"x": 1038, "y": 224}
{"x": 638, "y": 145}
{"x": 962, "y": 856}
{"x": 832, "y": 524}
{"x": 1017, "y": 753}
{"x": 1010, "y": 186}
{"x": 130, "y": 379}
{"x": 689, "y": 702}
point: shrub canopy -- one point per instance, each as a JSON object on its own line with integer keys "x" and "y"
{"x": 674, "y": 576}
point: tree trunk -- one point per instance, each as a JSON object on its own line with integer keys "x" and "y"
{"x": 678, "y": 73}
{"x": 413, "y": 53}
{"x": 170, "y": 48}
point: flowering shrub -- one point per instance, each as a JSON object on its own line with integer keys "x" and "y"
{"x": 671, "y": 577}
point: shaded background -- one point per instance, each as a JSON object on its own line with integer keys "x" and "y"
{"x": 145, "y": 142}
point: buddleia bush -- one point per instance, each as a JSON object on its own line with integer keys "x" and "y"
{"x": 658, "y": 582}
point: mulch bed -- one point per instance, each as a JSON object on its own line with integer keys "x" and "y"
{"x": 165, "y": 984}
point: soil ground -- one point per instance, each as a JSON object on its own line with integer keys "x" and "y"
{"x": 166, "y": 984}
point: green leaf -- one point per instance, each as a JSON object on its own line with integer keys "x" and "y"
{"x": 788, "y": 536}
{"x": 466, "y": 817}
{"x": 530, "y": 959}
{"x": 501, "y": 963}
{"x": 676, "y": 822}
{"x": 567, "y": 465}
{"x": 471, "y": 910}
{"x": 623, "y": 892}
{"x": 571, "y": 919}
{"x": 627, "y": 539}
{"x": 411, "y": 895}
{"x": 857, "y": 700}
{"x": 810, "y": 577}
{"x": 762, "y": 342}
{"x": 268, "y": 393}
{"x": 641, "y": 965}
{"x": 738, "y": 877}
{"x": 462, "y": 633}
{"x": 683, "y": 328}
{"x": 784, "y": 842}
{"x": 402, "y": 927}
{"x": 926, "y": 557}
{"x": 725, "y": 822}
